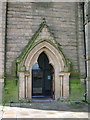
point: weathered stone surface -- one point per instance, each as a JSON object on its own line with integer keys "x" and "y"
{"x": 63, "y": 20}
{"x": 2, "y": 38}
{"x": 23, "y": 20}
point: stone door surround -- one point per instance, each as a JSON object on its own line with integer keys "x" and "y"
{"x": 44, "y": 42}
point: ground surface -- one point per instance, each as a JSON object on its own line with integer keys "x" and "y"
{"x": 45, "y": 110}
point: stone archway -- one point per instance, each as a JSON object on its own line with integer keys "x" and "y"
{"x": 49, "y": 46}
{"x": 56, "y": 60}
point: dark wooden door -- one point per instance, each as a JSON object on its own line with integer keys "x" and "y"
{"x": 42, "y": 77}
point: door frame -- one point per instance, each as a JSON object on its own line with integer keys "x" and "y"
{"x": 52, "y": 84}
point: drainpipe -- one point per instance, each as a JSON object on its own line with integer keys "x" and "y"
{"x": 85, "y": 94}
{"x": 5, "y": 47}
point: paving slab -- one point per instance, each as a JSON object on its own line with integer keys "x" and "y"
{"x": 1, "y": 112}
{"x": 45, "y": 110}
{"x": 33, "y": 113}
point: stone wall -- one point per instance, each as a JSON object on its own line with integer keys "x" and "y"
{"x": 87, "y": 37}
{"x": 63, "y": 19}
{"x": 2, "y": 45}
{"x": 80, "y": 39}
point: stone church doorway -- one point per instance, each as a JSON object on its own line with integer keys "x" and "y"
{"x": 42, "y": 67}
{"x": 42, "y": 78}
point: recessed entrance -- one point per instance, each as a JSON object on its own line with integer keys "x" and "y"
{"x": 42, "y": 67}
{"x": 43, "y": 78}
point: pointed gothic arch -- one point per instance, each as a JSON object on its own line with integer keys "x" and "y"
{"x": 56, "y": 58}
{"x": 43, "y": 78}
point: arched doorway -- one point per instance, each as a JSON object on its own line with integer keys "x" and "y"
{"x": 55, "y": 59}
{"x": 43, "y": 46}
{"x": 42, "y": 78}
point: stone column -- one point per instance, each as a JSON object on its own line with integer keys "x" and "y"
{"x": 61, "y": 83}
{"x": 26, "y": 83}
{"x": 29, "y": 88}
{"x": 66, "y": 85}
{"x": 21, "y": 85}
{"x": 61, "y": 79}
{"x": 57, "y": 84}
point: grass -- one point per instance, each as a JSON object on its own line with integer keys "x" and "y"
{"x": 10, "y": 91}
{"x": 77, "y": 91}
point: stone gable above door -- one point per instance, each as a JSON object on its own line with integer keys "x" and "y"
{"x": 43, "y": 34}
